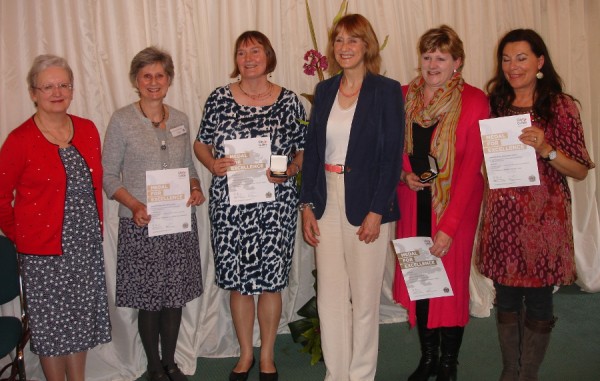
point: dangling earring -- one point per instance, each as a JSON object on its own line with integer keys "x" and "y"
{"x": 539, "y": 75}
{"x": 270, "y": 75}
{"x": 239, "y": 78}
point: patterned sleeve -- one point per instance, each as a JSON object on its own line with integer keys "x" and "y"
{"x": 210, "y": 119}
{"x": 568, "y": 131}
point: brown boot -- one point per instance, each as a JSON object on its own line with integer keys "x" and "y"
{"x": 509, "y": 336}
{"x": 535, "y": 342}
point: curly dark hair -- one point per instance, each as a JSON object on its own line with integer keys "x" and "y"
{"x": 547, "y": 89}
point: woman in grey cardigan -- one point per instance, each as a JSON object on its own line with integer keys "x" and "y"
{"x": 157, "y": 275}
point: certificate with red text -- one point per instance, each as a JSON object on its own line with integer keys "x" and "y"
{"x": 508, "y": 162}
{"x": 424, "y": 273}
{"x": 167, "y": 193}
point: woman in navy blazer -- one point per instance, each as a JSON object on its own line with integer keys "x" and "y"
{"x": 352, "y": 164}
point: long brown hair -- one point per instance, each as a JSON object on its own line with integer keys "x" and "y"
{"x": 358, "y": 26}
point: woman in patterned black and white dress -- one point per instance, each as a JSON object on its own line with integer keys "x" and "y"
{"x": 253, "y": 243}
{"x": 52, "y": 162}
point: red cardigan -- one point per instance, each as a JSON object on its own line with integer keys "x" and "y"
{"x": 459, "y": 220}
{"x": 32, "y": 174}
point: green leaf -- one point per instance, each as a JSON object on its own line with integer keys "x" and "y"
{"x": 309, "y": 310}
{"x": 342, "y": 12}
{"x": 311, "y": 27}
{"x": 385, "y": 41}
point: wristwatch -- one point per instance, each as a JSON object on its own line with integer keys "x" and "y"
{"x": 551, "y": 155}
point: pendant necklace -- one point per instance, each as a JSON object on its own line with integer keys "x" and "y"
{"x": 265, "y": 94}
{"x": 155, "y": 124}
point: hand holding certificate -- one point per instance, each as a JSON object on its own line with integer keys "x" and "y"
{"x": 167, "y": 192}
{"x": 423, "y": 273}
{"x": 509, "y": 163}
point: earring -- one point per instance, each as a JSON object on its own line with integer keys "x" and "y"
{"x": 270, "y": 75}
{"x": 239, "y": 78}
{"x": 539, "y": 75}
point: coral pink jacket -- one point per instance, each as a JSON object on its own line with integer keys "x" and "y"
{"x": 459, "y": 220}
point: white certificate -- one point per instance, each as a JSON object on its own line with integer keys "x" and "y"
{"x": 167, "y": 192}
{"x": 247, "y": 179}
{"x": 423, "y": 273}
{"x": 508, "y": 162}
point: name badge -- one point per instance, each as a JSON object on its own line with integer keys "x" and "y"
{"x": 179, "y": 130}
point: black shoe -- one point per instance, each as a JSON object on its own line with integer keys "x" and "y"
{"x": 268, "y": 376}
{"x": 242, "y": 376}
{"x": 428, "y": 367}
{"x": 174, "y": 373}
{"x": 157, "y": 376}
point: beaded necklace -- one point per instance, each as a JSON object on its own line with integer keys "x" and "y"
{"x": 155, "y": 124}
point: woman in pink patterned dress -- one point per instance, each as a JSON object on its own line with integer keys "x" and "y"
{"x": 526, "y": 241}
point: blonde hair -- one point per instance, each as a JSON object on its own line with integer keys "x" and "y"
{"x": 444, "y": 39}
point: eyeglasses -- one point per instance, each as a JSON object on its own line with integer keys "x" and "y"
{"x": 49, "y": 87}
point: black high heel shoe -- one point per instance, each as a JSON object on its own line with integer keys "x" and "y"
{"x": 241, "y": 376}
{"x": 268, "y": 376}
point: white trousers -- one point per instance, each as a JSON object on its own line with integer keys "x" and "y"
{"x": 349, "y": 281}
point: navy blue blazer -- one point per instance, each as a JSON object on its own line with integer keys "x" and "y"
{"x": 374, "y": 156}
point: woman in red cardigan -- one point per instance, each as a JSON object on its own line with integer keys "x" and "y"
{"x": 51, "y": 207}
{"x": 442, "y": 114}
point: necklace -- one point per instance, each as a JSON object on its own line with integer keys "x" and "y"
{"x": 155, "y": 124}
{"x": 56, "y": 140}
{"x": 351, "y": 94}
{"x": 265, "y": 94}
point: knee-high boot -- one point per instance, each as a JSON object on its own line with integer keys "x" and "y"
{"x": 535, "y": 342}
{"x": 450, "y": 346}
{"x": 430, "y": 345}
{"x": 510, "y": 331}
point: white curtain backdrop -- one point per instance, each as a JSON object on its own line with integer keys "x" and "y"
{"x": 100, "y": 37}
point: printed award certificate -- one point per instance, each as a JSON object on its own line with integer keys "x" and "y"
{"x": 423, "y": 273}
{"x": 508, "y": 162}
{"x": 247, "y": 179}
{"x": 167, "y": 192}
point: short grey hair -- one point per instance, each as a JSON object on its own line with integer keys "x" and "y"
{"x": 43, "y": 62}
{"x": 149, "y": 56}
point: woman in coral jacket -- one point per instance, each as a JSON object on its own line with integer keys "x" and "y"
{"x": 442, "y": 114}
{"x": 50, "y": 167}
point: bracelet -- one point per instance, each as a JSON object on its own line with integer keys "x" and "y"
{"x": 298, "y": 169}
{"x": 305, "y": 205}
{"x": 196, "y": 188}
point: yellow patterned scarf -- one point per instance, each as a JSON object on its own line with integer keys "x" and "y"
{"x": 444, "y": 109}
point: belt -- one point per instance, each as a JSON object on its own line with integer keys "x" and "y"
{"x": 336, "y": 168}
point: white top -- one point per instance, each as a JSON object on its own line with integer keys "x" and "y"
{"x": 338, "y": 132}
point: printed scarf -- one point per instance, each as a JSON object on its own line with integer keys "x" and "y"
{"x": 444, "y": 109}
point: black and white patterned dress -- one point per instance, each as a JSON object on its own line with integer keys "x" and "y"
{"x": 66, "y": 294}
{"x": 253, "y": 243}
